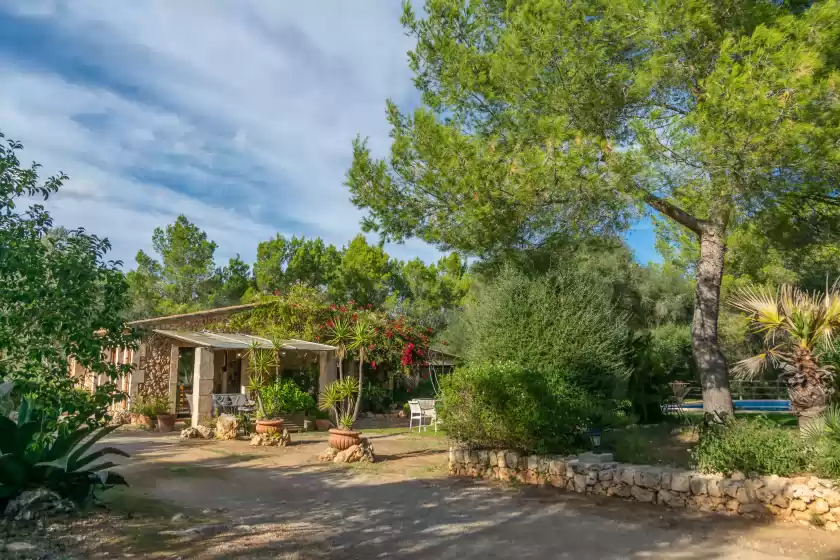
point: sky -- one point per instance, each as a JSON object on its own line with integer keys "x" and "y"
{"x": 239, "y": 114}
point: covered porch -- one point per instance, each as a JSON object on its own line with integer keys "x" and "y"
{"x": 205, "y": 363}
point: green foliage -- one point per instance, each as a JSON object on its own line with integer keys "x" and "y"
{"x": 507, "y": 405}
{"x": 755, "y": 445}
{"x": 558, "y": 322}
{"x": 187, "y": 259}
{"x": 367, "y": 274}
{"x": 377, "y": 399}
{"x": 59, "y": 301}
{"x": 659, "y": 356}
{"x": 64, "y": 464}
{"x": 824, "y": 439}
{"x": 150, "y": 406}
{"x": 283, "y": 396}
{"x": 282, "y": 263}
{"x": 339, "y": 398}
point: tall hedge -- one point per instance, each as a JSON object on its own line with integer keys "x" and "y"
{"x": 562, "y": 323}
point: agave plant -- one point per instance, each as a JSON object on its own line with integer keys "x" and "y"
{"x": 339, "y": 397}
{"x": 66, "y": 465}
{"x": 795, "y": 324}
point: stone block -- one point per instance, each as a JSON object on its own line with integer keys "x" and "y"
{"x": 715, "y": 487}
{"x": 800, "y": 491}
{"x": 780, "y": 502}
{"x": 648, "y": 478}
{"x": 680, "y": 481}
{"x": 501, "y": 462}
{"x": 731, "y": 487}
{"x": 754, "y": 509}
{"x": 591, "y": 477}
{"x": 557, "y": 481}
{"x": 743, "y": 496}
{"x": 627, "y": 475}
{"x": 798, "y": 505}
{"x": 557, "y": 467}
{"x": 732, "y": 505}
{"x": 620, "y": 490}
{"x": 775, "y": 483}
{"x": 595, "y": 458}
{"x": 606, "y": 475}
{"x": 580, "y": 483}
{"x": 483, "y": 458}
{"x": 832, "y": 526}
{"x": 642, "y": 494}
{"x": 512, "y": 459}
{"x": 698, "y": 485}
{"x": 533, "y": 463}
{"x": 819, "y": 506}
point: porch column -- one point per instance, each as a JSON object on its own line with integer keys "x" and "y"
{"x": 244, "y": 375}
{"x": 174, "y": 357}
{"x": 137, "y": 375}
{"x": 202, "y": 405}
{"x": 328, "y": 371}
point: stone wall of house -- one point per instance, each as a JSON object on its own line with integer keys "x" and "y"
{"x": 807, "y": 499}
{"x": 154, "y": 363}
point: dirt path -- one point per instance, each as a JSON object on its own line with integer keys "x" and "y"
{"x": 273, "y": 503}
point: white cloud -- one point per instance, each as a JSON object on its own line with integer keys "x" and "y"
{"x": 238, "y": 114}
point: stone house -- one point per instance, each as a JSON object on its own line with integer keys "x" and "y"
{"x": 181, "y": 359}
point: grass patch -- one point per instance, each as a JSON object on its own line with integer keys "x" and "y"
{"x": 662, "y": 444}
{"x": 430, "y": 433}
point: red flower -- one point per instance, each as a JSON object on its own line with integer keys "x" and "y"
{"x": 443, "y": 342}
{"x": 408, "y": 389}
{"x": 355, "y": 316}
{"x": 429, "y": 329}
{"x": 372, "y": 346}
{"x": 317, "y": 338}
{"x": 330, "y": 324}
{"x": 332, "y": 307}
{"x": 352, "y": 302}
{"x": 276, "y": 292}
{"x": 342, "y": 309}
{"x": 373, "y": 364}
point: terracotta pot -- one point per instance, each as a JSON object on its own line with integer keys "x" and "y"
{"x": 342, "y": 439}
{"x": 269, "y": 426}
{"x": 144, "y": 420}
{"x": 166, "y": 422}
{"x": 322, "y": 424}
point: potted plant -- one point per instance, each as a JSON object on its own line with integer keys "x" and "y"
{"x": 340, "y": 398}
{"x": 261, "y": 362}
{"x": 322, "y": 421}
{"x": 143, "y": 413}
{"x": 165, "y": 418}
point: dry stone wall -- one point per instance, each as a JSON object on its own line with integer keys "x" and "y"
{"x": 807, "y": 499}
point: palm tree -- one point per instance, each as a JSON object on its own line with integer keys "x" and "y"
{"x": 361, "y": 338}
{"x": 795, "y": 325}
{"x": 341, "y": 336}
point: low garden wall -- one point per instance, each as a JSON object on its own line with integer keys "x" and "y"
{"x": 809, "y": 499}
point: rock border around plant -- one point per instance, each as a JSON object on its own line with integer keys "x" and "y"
{"x": 809, "y": 500}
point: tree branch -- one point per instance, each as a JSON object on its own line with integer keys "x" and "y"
{"x": 674, "y": 212}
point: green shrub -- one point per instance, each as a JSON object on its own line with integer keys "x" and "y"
{"x": 505, "y": 405}
{"x": 284, "y": 397}
{"x": 62, "y": 463}
{"x": 755, "y": 445}
{"x": 561, "y": 322}
{"x": 825, "y": 444}
{"x": 376, "y": 398}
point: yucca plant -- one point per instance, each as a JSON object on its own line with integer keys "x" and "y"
{"x": 795, "y": 324}
{"x": 361, "y": 337}
{"x": 65, "y": 465}
{"x": 339, "y": 397}
{"x": 340, "y": 337}
{"x": 260, "y": 363}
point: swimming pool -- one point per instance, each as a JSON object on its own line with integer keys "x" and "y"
{"x": 749, "y": 405}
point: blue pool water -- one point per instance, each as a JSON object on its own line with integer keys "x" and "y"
{"x": 753, "y": 405}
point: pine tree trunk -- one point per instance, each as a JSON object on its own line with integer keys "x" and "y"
{"x": 711, "y": 364}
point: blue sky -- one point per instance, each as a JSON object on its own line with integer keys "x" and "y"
{"x": 238, "y": 114}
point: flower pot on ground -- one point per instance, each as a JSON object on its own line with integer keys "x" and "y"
{"x": 165, "y": 422}
{"x": 270, "y": 426}
{"x": 322, "y": 424}
{"x": 145, "y": 421}
{"x": 146, "y": 409}
{"x": 340, "y": 398}
{"x": 344, "y": 439}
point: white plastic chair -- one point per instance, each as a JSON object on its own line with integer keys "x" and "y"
{"x": 416, "y": 414}
{"x": 427, "y": 407}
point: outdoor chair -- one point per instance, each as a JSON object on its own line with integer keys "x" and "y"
{"x": 228, "y": 403}
{"x": 416, "y": 414}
